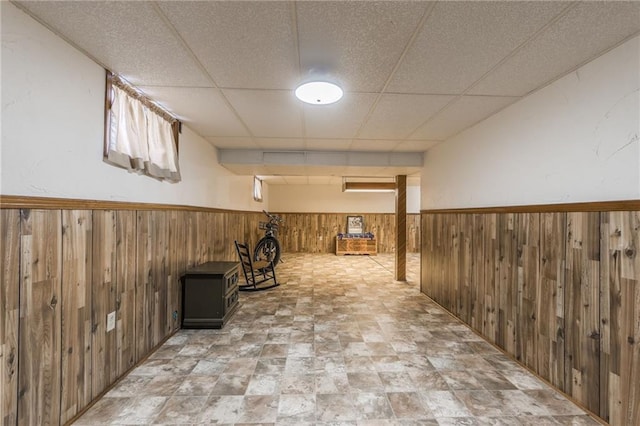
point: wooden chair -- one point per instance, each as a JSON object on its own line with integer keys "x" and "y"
{"x": 260, "y": 275}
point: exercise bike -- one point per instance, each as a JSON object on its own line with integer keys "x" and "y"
{"x": 268, "y": 248}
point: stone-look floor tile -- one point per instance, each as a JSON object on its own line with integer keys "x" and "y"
{"x": 194, "y": 385}
{"x": 444, "y": 404}
{"x": 431, "y": 380}
{"x": 498, "y": 421}
{"x": 482, "y": 403}
{"x": 576, "y": 420}
{"x": 492, "y": 380}
{"x": 210, "y": 367}
{"x": 372, "y": 405}
{"x": 181, "y": 410}
{"x": 241, "y": 366}
{"x": 270, "y": 366}
{"x": 104, "y": 411}
{"x": 274, "y": 350}
{"x": 260, "y": 409}
{"x": 129, "y": 386}
{"x": 554, "y": 402}
{"x": 300, "y": 384}
{"x": 294, "y": 409}
{"x": 461, "y": 379}
{"x": 396, "y": 381}
{"x": 228, "y": 384}
{"x": 363, "y": 382}
{"x": 339, "y": 343}
{"x": 222, "y": 409}
{"x": 326, "y": 383}
{"x": 141, "y": 410}
{"x": 295, "y": 366}
{"x": 264, "y": 384}
{"x": 335, "y": 407}
{"x": 523, "y": 380}
{"x": 408, "y": 405}
{"x": 162, "y": 386}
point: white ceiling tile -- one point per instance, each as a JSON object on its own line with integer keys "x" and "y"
{"x": 296, "y": 180}
{"x": 320, "y": 180}
{"x": 295, "y": 144}
{"x": 202, "y": 109}
{"x": 357, "y": 42}
{"x": 246, "y": 169}
{"x": 461, "y": 41}
{"x": 268, "y": 113}
{"x": 373, "y": 145}
{"x": 128, "y": 37}
{"x": 339, "y": 120}
{"x": 286, "y": 170}
{"x": 581, "y": 35}
{"x": 232, "y": 143}
{"x": 357, "y": 171}
{"x": 415, "y": 145}
{"x": 326, "y": 170}
{"x": 396, "y": 116}
{"x": 328, "y": 144}
{"x": 241, "y": 44}
{"x": 465, "y": 112}
{"x": 274, "y": 180}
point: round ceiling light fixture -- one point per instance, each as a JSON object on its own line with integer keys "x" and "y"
{"x": 319, "y": 92}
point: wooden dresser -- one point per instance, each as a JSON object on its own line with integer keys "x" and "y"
{"x": 356, "y": 246}
{"x": 209, "y": 294}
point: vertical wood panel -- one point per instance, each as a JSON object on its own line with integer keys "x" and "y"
{"x": 478, "y": 273}
{"x": 550, "y": 317}
{"x": 176, "y": 263}
{"x": 528, "y": 281}
{"x": 620, "y": 318}
{"x": 76, "y": 311}
{"x": 316, "y": 232}
{"x": 40, "y": 326}
{"x": 401, "y": 228}
{"x": 490, "y": 321}
{"x": 582, "y": 293}
{"x": 9, "y": 305}
{"x": 126, "y": 290}
{"x": 160, "y": 282}
{"x": 104, "y": 342}
{"x": 144, "y": 284}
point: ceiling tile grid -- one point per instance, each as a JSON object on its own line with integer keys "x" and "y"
{"x": 415, "y": 73}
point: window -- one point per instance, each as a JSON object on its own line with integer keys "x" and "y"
{"x": 139, "y": 135}
{"x": 257, "y": 189}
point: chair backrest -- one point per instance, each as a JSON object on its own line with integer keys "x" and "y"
{"x": 245, "y": 259}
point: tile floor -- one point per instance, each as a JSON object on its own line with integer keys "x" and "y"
{"x": 338, "y": 343}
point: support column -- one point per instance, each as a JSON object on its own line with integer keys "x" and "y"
{"x": 401, "y": 228}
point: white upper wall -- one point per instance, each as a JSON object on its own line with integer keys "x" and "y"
{"x": 331, "y": 199}
{"x": 574, "y": 141}
{"x": 53, "y": 126}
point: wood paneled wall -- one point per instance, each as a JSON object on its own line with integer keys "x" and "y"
{"x": 64, "y": 271}
{"x": 316, "y": 232}
{"x": 560, "y": 292}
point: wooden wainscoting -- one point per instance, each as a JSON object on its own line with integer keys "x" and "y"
{"x": 65, "y": 270}
{"x": 316, "y": 232}
{"x": 558, "y": 291}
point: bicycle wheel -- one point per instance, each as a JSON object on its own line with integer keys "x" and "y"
{"x": 268, "y": 249}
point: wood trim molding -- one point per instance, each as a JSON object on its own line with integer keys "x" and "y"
{"x": 46, "y": 203}
{"x": 595, "y": 206}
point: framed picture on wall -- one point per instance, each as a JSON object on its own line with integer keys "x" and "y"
{"x": 355, "y": 225}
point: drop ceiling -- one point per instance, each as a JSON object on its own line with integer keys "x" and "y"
{"x": 414, "y": 73}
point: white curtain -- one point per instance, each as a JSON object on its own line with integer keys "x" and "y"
{"x": 140, "y": 140}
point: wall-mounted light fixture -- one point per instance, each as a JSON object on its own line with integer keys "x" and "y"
{"x": 352, "y": 184}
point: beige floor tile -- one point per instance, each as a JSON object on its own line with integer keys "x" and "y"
{"x": 338, "y": 343}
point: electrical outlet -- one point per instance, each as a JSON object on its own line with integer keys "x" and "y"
{"x": 111, "y": 321}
